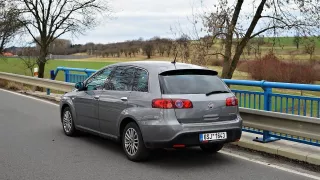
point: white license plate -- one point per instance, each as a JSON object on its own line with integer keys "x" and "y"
{"x": 213, "y": 136}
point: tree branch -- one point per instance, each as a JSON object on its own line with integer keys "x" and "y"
{"x": 252, "y": 26}
{"x": 34, "y": 38}
{"x": 275, "y": 18}
{"x": 56, "y": 16}
{"x": 35, "y": 14}
{"x": 74, "y": 9}
{"x": 213, "y": 54}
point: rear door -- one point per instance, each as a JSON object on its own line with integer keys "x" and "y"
{"x": 208, "y": 94}
{"x": 114, "y": 98}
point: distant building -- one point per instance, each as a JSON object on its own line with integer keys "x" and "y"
{"x": 8, "y": 54}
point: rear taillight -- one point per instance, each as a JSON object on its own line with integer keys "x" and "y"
{"x": 172, "y": 103}
{"x": 232, "y": 101}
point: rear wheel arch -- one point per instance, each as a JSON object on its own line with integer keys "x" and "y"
{"x": 123, "y": 124}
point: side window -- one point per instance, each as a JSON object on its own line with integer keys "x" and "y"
{"x": 121, "y": 79}
{"x": 97, "y": 81}
{"x": 140, "y": 82}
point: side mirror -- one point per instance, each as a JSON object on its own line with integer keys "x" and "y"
{"x": 79, "y": 86}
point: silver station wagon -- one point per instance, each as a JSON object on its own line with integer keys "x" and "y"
{"x": 146, "y": 105}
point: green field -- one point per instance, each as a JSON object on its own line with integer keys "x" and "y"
{"x": 288, "y": 41}
{"x": 13, "y": 65}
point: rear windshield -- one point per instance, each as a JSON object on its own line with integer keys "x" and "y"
{"x": 191, "y": 84}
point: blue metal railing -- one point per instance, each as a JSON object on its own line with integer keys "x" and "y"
{"x": 265, "y": 99}
{"x": 84, "y": 73}
{"x": 284, "y": 103}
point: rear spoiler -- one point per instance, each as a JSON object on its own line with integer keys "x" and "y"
{"x": 189, "y": 72}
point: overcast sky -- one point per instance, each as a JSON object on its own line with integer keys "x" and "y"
{"x": 140, "y": 18}
{"x": 132, "y": 19}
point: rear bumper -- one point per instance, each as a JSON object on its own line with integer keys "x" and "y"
{"x": 165, "y": 134}
{"x": 192, "y": 139}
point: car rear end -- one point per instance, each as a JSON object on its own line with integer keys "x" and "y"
{"x": 197, "y": 108}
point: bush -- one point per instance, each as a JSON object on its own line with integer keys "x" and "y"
{"x": 243, "y": 66}
{"x": 270, "y": 68}
{"x": 216, "y": 62}
{"x": 3, "y": 83}
{"x": 317, "y": 69}
{"x": 14, "y": 86}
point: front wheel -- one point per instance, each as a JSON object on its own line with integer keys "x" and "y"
{"x": 133, "y": 144}
{"x": 68, "y": 123}
{"x": 211, "y": 148}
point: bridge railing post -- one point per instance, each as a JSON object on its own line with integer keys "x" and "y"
{"x": 267, "y": 104}
{"x": 66, "y": 76}
{"x": 52, "y": 77}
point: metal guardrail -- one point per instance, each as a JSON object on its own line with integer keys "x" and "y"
{"x": 283, "y": 126}
{"x": 34, "y": 81}
{"x": 266, "y": 99}
{"x": 270, "y": 101}
{"x": 303, "y": 106}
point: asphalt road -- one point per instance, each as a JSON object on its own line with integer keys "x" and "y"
{"x": 33, "y": 147}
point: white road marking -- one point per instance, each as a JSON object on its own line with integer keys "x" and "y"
{"x": 271, "y": 165}
{"x": 223, "y": 152}
{"x": 30, "y": 97}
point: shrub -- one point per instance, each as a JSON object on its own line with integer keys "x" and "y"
{"x": 216, "y": 62}
{"x": 14, "y": 86}
{"x": 317, "y": 69}
{"x": 3, "y": 83}
{"x": 270, "y": 68}
{"x": 243, "y": 66}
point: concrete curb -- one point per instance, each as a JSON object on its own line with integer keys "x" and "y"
{"x": 311, "y": 156}
{"x": 41, "y": 95}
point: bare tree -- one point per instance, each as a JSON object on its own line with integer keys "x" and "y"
{"x": 249, "y": 48}
{"x": 181, "y": 48}
{"x": 9, "y": 23}
{"x": 49, "y": 19}
{"x": 309, "y": 47}
{"x": 230, "y": 20}
{"x": 29, "y": 56}
{"x": 257, "y": 42}
{"x": 297, "y": 40}
{"x": 200, "y": 49}
{"x": 148, "y": 48}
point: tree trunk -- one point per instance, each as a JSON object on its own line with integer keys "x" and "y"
{"x": 229, "y": 65}
{"x": 227, "y": 61}
{"x": 41, "y": 65}
{"x": 228, "y": 43}
{"x": 42, "y": 62}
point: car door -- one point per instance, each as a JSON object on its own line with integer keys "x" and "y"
{"x": 114, "y": 98}
{"x": 86, "y": 102}
{"x": 140, "y": 96}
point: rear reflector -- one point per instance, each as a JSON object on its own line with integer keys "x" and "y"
{"x": 179, "y": 146}
{"x": 172, "y": 103}
{"x": 232, "y": 101}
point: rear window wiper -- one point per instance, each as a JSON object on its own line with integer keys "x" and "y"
{"x": 216, "y": 92}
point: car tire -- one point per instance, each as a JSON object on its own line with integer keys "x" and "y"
{"x": 133, "y": 144}
{"x": 68, "y": 122}
{"x": 211, "y": 148}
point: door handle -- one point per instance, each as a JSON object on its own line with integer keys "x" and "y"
{"x": 124, "y": 99}
{"x": 96, "y": 97}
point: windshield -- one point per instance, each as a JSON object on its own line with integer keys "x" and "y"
{"x": 192, "y": 84}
